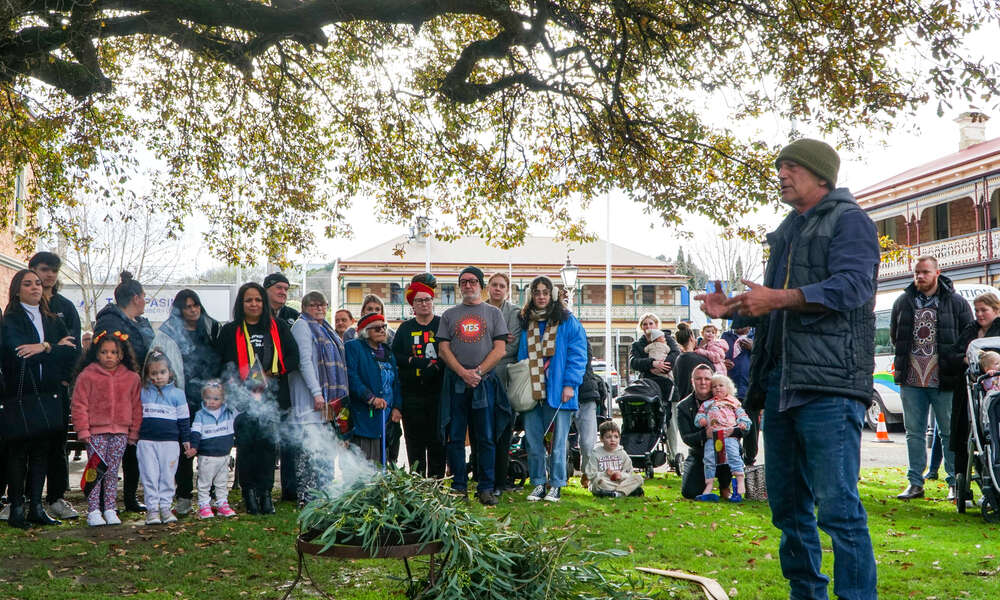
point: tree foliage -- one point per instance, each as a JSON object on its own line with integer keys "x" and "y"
{"x": 267, "y": 119}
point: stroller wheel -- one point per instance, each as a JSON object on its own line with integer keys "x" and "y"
{"x": 991, "y": 512}
{"x": 649, "y": 471}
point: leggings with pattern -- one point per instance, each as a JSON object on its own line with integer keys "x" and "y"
{"x": 111, "y": 447}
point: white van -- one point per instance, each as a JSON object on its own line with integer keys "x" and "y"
{"x": 887, "y": 398}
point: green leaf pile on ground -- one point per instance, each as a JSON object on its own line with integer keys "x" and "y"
{"x": 924, "y": 548}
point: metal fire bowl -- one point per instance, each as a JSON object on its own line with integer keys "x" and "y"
{"x": 350, "y": 551}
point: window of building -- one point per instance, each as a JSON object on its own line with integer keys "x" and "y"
{"x": 648, "y": 294}
{"x": 354, "y": 293}
{"x": 395, "y": 294}
{"x": 448, "y": 293}
{"x": 994, "y": 208}
{"x": 942, "y": 222}
{"x": 20, "y": 198}
{"x": 887, "y": 227}
{"x": 618, "y": 295}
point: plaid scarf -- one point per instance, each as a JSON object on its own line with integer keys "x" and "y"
{"x": 329, "y": 358}
{"x": 540, "y": 347}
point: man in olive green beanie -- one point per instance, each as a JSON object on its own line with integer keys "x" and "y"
{"x": 814, "y": 155}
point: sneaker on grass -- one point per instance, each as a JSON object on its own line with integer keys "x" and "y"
{"x": 205, "y": 512}
{"x": 224, "y": 510}
{"x": 61, "y": 509}
{"x": 182, "y": 506}
{"x": 95, "y": 519}
{"x": 553, "y": 495}
{"x": 537, "y": 494}
{"x": 166, "y": 515}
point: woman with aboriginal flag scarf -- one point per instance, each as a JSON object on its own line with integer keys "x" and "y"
{"x": 258, "y": 353}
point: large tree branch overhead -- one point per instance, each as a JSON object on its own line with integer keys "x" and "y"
{"x": 271, "y": 115}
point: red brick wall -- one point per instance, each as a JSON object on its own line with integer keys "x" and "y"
{"x": 962, "y": 216}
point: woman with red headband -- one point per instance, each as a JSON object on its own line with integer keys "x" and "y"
{"x": 373, "y": 383}
{"x": 258, "y": 353}
{"x": 420, "y": 374}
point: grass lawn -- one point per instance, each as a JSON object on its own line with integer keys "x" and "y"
{"x": 924, "y": 548}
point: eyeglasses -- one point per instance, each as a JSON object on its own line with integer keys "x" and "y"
{"x": 323, "y": 306}
{"x": 468, "y": 282}
{"x": 423, "y": 300}
{"x": 378, "y": 328}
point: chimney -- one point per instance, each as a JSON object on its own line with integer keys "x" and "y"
{"x": 971, "y": 128}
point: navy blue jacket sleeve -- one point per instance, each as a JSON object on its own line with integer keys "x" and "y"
{"x": 853, "y": 258}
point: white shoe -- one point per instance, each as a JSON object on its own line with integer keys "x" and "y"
{"x": 182, "y": 506}
{"x": 153, "y": 517}
{"x": 94, "y": 519}
{"x": 553, "y": 495}
{"x": 111, "y": 517}
{"x": 5, "y": 513}
{"x": 60, "y": 509}
{"x": 166, "y": 516}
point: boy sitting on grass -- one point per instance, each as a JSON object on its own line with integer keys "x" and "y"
{"x": 610, "y": 469}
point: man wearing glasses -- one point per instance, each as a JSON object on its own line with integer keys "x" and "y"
{"x": 471, "y": 340}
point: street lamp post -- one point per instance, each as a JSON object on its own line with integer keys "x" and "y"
{"x": 568, "y": 275}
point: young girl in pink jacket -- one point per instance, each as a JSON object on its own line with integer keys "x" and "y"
{"x": 713, "y": 349}
{"x": 107, "y": 413}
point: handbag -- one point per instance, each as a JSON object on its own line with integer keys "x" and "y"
{"x": 519, "y": 387}
{"x": 28, "y": 416}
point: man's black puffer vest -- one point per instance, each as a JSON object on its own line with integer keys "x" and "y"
{"x": 829, "y": 352}
{"x": 953, "y": 315}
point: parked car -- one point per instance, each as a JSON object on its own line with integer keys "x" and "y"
{"x": 601, "y": 371}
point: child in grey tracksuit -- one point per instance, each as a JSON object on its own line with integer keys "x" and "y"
{"x": 609, "y": 468}
{"x": 212, "y": 435}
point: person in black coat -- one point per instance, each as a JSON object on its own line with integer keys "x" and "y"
{"x": 258, "y": 351}
{"x": 37, "y": 351}
{"x": 47, "y": 265}
{"x": 987, "y": 309}
{"x": 125, "y": 315}
{"x": 638, "y": 358}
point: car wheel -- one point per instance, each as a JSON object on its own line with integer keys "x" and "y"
{"x": 871, "y": 415}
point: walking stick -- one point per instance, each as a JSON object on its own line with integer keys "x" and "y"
{"x": 383, "y": 437}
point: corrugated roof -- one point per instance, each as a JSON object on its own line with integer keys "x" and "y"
{"x": 535, "y": 250}
{"x": 970, "y": 154}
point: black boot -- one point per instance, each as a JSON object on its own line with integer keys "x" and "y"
{"x": 250, "y": 501}
{"x": 16, "y": 518}
{"x": 37, "y": 514}
{"x": 132, "y": 504}
{"x": 266, "y": 505}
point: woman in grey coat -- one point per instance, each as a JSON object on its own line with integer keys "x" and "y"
{"x": 316, "y": 392}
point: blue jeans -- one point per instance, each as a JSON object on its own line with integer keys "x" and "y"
{"x": 733, "y": 458}
{"x": 916, "y": 402}
{"x": 536, "y": 421}
{"x": 586, "y": 431}
{"x": 813, "y": 457}
{"x": 482, "y": 437}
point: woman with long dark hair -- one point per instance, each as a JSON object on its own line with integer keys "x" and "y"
{"x": 38, "y": 351}
{"x": 556, "y": 345}
{"x": 125, "y": 315}
{"x": 189, "y": 337}
{"x": 258, "y": 352}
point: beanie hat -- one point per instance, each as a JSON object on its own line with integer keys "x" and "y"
{"x": 370, "y": 319}
{"x": 274, "y": 278}
{"x": 817, "y": 156}
{"x": 475, "y": 271}
{"x": 414, "y": 287}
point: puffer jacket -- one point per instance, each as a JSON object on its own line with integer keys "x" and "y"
{"x": 140, "y": 332}
{"x": 107, "y": 402}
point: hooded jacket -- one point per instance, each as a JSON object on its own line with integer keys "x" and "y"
{"x": 953, "y": 315}
{"x": 107, "y": 402}
{"x": 214, "y": 435}
{"x": 192, "y": 354}
{"x": 140, "y": 332}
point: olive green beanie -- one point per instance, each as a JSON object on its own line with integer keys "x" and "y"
{"x": 814, "y": 155}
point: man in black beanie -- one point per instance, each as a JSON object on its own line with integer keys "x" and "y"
{"x": 811, "y": 370}
{"x": 276, "y": 285}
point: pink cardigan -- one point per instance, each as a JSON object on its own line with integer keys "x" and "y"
{"x": 107, "y": 402}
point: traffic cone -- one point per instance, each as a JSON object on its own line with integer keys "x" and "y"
{"x": 881, "y": 432}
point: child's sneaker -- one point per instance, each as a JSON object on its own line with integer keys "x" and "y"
{"x": 707, "y": 498}
{"x": 224, "y": 510}
{"x": 736, "y": 497}
{"x": 166, "y": 515}
{"x": 205, "y": 512}
{"x": 111, "y": 517}
{"x": 153, "y": 517}
{"x": 94, "y": 519}
{"x": 537, "y": 494}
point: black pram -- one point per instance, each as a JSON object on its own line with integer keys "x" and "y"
{"x": 645, "y": 416}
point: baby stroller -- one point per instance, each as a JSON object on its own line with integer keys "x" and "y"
{"x": 645, "y": 416}
{"x": 984, "y": 436}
